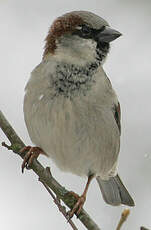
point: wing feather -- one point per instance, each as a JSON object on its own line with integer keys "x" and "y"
{"x": 117, "y": 115}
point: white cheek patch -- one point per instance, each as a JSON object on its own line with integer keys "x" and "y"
{"x": 91, "y": 43}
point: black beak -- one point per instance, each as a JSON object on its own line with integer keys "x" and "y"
{"x": 107, "y": 35}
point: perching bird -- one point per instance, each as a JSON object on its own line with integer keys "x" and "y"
{"x": 71, "y": 110}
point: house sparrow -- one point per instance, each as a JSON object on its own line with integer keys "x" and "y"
{"x": 71, "y": 110}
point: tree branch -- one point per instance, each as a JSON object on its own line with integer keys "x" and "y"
{"x": 47, "y": 178}
{"x": 143, "y": 228}
{"x": 61, "y": 208}
{"x": 123, "y": 218}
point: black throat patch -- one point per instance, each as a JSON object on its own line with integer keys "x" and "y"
{"x": 102, "y": 50}
{"x": 73, "y": 80}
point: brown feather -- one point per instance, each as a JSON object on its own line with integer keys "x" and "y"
{"x": 62, "y": 25}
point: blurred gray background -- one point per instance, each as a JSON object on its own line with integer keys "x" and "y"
{"x": 24, "y": 203}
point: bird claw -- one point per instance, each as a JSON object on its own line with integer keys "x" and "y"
{"x": 32, "y": 153}
{"x": 78, "y": 205}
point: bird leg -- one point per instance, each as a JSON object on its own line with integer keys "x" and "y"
{"x": 33, "y": 153}
{"x": 80, "y": 199}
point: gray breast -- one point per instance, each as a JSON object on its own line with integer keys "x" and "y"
{"x": 79, "y": 133}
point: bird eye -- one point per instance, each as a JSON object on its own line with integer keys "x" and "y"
{"x": 85, "y": 30}
{"x": 102, "y": 29}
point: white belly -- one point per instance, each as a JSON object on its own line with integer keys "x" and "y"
{"x": 81, "y": 137}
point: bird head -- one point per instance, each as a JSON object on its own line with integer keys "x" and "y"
{"x": 80, "y": 35}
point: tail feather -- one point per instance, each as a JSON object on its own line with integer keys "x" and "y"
{"x": 114, "y": 192}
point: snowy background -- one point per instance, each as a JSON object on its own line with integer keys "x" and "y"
{"x": 24, "y": 203}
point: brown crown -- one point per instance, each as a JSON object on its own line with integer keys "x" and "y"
{"x": 62, "y": 25}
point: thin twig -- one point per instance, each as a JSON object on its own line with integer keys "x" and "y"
{"x": 6, "y": 146}
{"x": 58, "y": 203}
{"x": 143, "y": 228}
{"x": 123, "y": 218}
{"x": 47, "y": 178}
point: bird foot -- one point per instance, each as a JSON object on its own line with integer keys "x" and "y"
{"x": 78, "y": 205}
{"x": 33, "y": 153}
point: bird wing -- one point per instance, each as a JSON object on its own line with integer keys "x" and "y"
{"x": 117, "y": 115}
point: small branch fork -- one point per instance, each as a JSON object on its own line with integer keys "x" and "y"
{"x": 6, "y": 146}
{"x": 61, "y": 208}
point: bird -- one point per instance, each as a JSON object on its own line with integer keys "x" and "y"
{"x": 71, "y": 111}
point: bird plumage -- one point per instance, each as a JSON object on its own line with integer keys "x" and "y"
{"x": 71, "y": 110}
